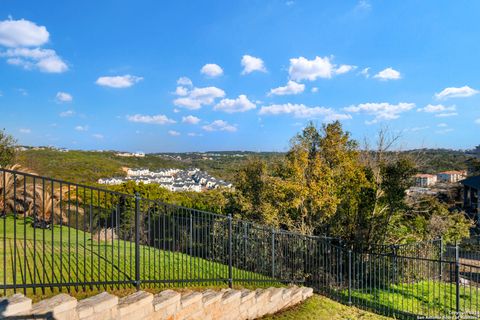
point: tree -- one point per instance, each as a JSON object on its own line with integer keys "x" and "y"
{"x": 7, "y": 149}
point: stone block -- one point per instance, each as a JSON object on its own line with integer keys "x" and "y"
{"x": 210, "y": 297}
{"x": 307, "y": 292}
{"x": 190, "y": 298}
{"x": 247, "y": 295}
{"x": 231, "y": 296}
{"x": 61, "y": 306}
{"x": 165, "y": 299}
{"x": 17, "y": 304}
{"x": 135, "y": 306}
{"x": 96, "y": 305}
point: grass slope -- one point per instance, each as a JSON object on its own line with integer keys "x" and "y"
{"x": 321, "y": 308}
{"x": 68, "y": 255}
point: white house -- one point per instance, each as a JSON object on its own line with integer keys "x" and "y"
{"x": 425, "y": 180}
{"x": 451, "y": 176}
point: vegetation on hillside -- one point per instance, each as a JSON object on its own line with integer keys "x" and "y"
{"x": 324, "y": 185}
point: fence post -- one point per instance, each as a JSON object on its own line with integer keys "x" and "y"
{"x": 273, "y": 253}
{"x": 441, "y": 258}
{"x": 137, "y": 241}
{"x": 230, "y": 273}
{"x": 457, "y": 283}
{"x": 350, "y": 277}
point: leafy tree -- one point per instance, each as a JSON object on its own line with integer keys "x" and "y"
{"x": 7, "y": 149}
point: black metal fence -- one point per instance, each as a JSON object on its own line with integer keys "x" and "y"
{"x": 56, "y": 235}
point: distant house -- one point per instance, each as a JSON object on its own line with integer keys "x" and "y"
{"x": 451, "y": 176}
{"x": 425, "y": 180}
{"x": 471, "y": 192}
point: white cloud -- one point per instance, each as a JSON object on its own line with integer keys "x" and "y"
{"x": 184, "y": 81}
{"x": 415, "y": 129}
{"x": 251, "y": 64}
{"x": 363, "y": 5}
{"x": 388, "y": 74}
{"x": 45, "y": 60}
{"x": 212, "y": 70}
{"x": 442, "y": 125}
{"x": 302, "y": 68}
{"x": 154, "y": 119}
{"x": 181, "y": 91}
{"x": 314, "y": 90}
{"x": 176, "y": 110}
{"x": 303, "y": 111}
{"x": 190, "y": 119}
{"x": 344, "y": 68}
{"x": 220, "y": 125}
{"x": 197, "y": 97}
{"x": 477, "y": 121}
{"x": 63, "y": 97}
{"x": 67, "y": 113}
{"x": 291, "y": 88}
{"x": 81, "y": 128}
{"x": 241, "y": 104}
{"x": 444, "y": 131}
{"x": 381, "y": 111}
{"x": 437, "y": 108}
{"x": 173, "y": 133}
{"x": 194, "y": 134}
{"x": 446, "y": 114}
{"x": 365, "y": 72}
{"x": 118, "y": 82}
{"x": 454, "y": 92}
{"x": 22, "y": 33}
{"x": 98, "y": 136}
{"x": 25, "y": 130}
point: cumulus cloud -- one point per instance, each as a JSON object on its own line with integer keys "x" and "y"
{"x": 314, "y": 90}
{"x": 292, "y": 87}
{"x": 220, "y": 125}
{"x": 442, "y": 125}
{"x": 194, "y": 134}
{"x": 81, "y": 128}
{"x": 477, "y": 121}
{"x": 45, "y": 60}
{"x": 212, "y": 70}
{"x": 446, "y": 114}
{"x": 22, "y": 33}
{"x": 303, "y": 111}
{"x": 437, "y": 108}
{"x": 173, "y": 133}
{"x": 190, "y": 119}
{"x": 184, "y": 81}
{"x": 388, "y": 74}
{"x": 241, "y": 104}
{"x": 303, "y": 69}
{"x": 25, "y": 130}
{"x": 454, "y": 92}
{"x": 154, "y": 119}
{"x": 381, "y": 111}
{"x": 118, "y": 82}
{"x": 67, "y": 113}
{"x": 251, "y": 64}
{"x": 63, "y": 97}
{"x": 365, "y": 72}
{"x": 98, "y": 136}
{"x": 344, "y": 68}
{"x": 197, "y": 97}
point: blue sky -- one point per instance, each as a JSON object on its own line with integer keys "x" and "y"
{"x": 159, "y": 76}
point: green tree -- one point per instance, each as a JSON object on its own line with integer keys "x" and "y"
{"x": 7, "y": 149}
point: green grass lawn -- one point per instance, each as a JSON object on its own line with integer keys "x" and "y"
{"x": 68, "y": 255}
{"x": 321, "y": 308}
{"x": 428, "y": 298}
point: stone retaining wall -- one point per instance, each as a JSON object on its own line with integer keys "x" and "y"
{"x": 226, "y": 304}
